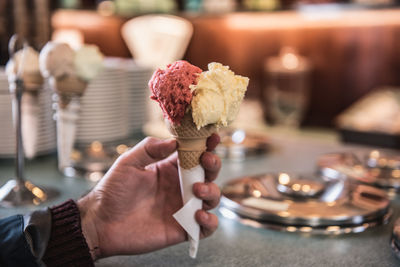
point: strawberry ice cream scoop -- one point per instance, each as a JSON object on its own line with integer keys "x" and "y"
{"x": 170, "y": 87}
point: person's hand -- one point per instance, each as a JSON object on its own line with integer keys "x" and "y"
{"x": 130, "y": 210}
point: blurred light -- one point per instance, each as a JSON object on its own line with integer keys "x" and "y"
{"x": 228, "y": 213}
{"x": 306, "y": 229}
{"x": 95, "y": 176}
{"x": 284, "y": 178}
{"x": 76, "y": 155}
{"x": 238, "y": 136}
{"x": 333, "y": 228}
{"x": 296, "y": 187}
{"x": 69, "y": 172}
{"x": 283, "y": 214}
{"x": 96, "y": 146}
{"x": 290, "y": 61}
{"x": 122, "y": 149}
{"x": 29, "y": 185}
{"x": 374, "y": 154}
{"x": 306, "y": 188}
{"x": 39, "y": 193}
{"x": 291, "y": 229}
{"x": 396, "y": 173}
{"x": 256, "y": 193}
{"x": 73, "y": 38}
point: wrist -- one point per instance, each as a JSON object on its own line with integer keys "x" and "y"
{"x": 88, "y": 223}
{"x": 67, "y": 245}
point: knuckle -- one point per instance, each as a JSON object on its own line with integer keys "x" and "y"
{"x": 149, "y": 140}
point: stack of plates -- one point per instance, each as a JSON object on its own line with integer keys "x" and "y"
{"x": 114, "y": 104}
{"x": 46, "y": 142}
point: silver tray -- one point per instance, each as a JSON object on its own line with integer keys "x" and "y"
{"x": 304, "y": 203}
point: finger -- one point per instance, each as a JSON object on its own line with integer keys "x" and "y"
{"x": 173, "y": 159}
{"x": 209, "y": 193}
{"x": 211, "y": 164}
{"x": 212, "y": 141}
{"x": 149, "y": 151}
{"x": 207, "y": 221}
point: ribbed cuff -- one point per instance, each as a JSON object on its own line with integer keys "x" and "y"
{"x": 67, "y": 245}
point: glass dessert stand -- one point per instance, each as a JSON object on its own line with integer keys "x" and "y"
{"x": 93, "y": 160}
{"x": 19, "y": 191}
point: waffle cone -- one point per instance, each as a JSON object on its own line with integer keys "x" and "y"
{"x": 191, "y": 141}
{"x": 63, "y": 100}
{"x": 66, "y": 88}
{"x": 32, "y": 81}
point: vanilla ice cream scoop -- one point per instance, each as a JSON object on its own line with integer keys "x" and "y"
{"x": 57, "y": 60}
{"x": 25, "y": 63}
{"x": 88, "y": 62}
{"x": 217, "y": 95}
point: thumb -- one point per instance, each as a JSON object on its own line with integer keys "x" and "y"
{"x": 148, "y": 151}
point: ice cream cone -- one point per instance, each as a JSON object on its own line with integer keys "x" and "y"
{"x": 195, "y": 104}
{"x": 191, "y": 144}
{"x": 191, "y": 141}
{"x": 69, "y": 90}
{"x": 32, "y": 81}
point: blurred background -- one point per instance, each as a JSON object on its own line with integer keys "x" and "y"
{"x": 352, "y": 45}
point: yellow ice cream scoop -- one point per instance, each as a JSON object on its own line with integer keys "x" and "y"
{"x": 217, "y": 95}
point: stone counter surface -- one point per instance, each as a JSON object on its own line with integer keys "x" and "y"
{"x": 234, "y": 244}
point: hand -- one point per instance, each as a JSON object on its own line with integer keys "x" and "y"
{"x": 130, "y": 210}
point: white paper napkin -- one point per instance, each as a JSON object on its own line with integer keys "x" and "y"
{"x": 186, "y": 215}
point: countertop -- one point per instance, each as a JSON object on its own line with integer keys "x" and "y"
{"x": 234, "y": 244}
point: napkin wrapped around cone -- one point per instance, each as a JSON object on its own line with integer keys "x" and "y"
{"x": 191, "y": 144}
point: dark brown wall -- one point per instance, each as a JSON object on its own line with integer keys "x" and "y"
{"x": 350, "y": 57}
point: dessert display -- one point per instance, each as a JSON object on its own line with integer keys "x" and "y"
{"x": 195, "y": 104}
{"x": 376, "y": 112}
{"x": 68, "y": 73}
{"x": 24, "y": 81}
{"x": 373, "y": 120}
{"x": 25, "y": 65}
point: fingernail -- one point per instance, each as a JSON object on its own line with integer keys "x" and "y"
{"x": 204, "y": 189}
{"x": 204, "y": 216}
{"x": 214, "y": 161}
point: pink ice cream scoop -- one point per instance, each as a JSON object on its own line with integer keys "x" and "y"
{"x": 170, "y": 87}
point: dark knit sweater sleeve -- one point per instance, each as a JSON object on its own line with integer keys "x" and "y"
{"x": 67, "y": 245}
